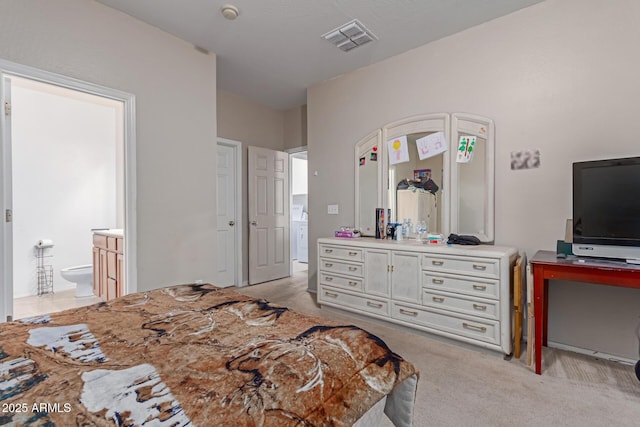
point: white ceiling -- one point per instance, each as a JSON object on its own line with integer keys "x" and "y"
{"x": 274, "y": 50}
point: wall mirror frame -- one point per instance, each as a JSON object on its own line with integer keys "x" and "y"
{"x": 368, "y": 182}
{"x": 473, "y": 184}
{"x": 466, "y": 200}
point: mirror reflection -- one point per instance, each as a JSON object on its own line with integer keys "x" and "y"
{"x": 471, "y": 196}
{"x": 415, "y": 189}
{"x": 368, "y": 188}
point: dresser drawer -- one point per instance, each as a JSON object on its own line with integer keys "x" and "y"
{"x": 337, "y": 297}
{"x": 485, "y": 267}
{"x": 475, "y": 286}
{"x": 334, "y": 266}
{"x": 341, "y": 252}
{"x": 480, "y": 329}
{"x": 461, "y": 304}
{"x": 350, "y": 283}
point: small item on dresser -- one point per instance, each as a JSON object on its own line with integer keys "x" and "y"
{"x": 347, "y": 232}
{"x": 434, "y": 239}
{"x": 380, "y": 223}
{"x": 461, "y": 239}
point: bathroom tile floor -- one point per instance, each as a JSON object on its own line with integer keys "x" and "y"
{"x": 49, "y": 303}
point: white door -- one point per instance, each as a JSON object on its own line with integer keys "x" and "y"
{"x": 268, "y": 190}
{"x": 6, "y": 232}
{"x": 227, "y": 192}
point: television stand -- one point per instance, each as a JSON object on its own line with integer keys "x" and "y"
{"x": 548, "y": 268}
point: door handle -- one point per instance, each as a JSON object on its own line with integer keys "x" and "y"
{"x": 232, "y": 223}
{"x": 253, "y": 223}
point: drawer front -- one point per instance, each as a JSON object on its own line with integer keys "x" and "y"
{"x": 486, "y": 288}
{"x": 473, "y": 307}
{"x": 100, "y": 241}
{"x": 120, "y": 245}
{"x": 351, "y": 283}
{"x": 480, "y": 329}
{"x": 111, "y": 243}
{"x": 333, "y": 296}
{"x": 341, "y": 252}
{"x": 484, "y": 267}
{"x": 334, "y": 266}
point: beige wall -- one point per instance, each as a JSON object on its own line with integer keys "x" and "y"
{"x": 175, "y": 90}
{"x": 250, "y": 123}
{"x": 295, "y": 127}
{"x": 561, "y": 77}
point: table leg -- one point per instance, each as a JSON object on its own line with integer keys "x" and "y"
{"x": 545, "y": 314}
{"x": 539, "y": 310}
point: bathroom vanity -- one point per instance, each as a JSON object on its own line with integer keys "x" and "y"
{"x": 108, "y": 263}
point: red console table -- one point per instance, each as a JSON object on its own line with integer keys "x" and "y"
{"x": 546, "y": 266}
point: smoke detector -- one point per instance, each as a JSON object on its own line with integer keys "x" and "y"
{"x": 229, "y": 11}
{"x": 350, "y": 35}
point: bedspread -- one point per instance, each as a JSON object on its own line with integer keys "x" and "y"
{"x": 196, "y": 355}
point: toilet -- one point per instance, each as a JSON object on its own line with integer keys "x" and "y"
{"x": 82, "y": 276}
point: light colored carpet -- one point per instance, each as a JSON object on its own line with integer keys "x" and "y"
{"x": 461, "y": 385}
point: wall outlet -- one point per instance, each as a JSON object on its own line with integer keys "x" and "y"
{"x": 332, "y": 209}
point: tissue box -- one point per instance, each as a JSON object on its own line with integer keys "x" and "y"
{"x": 350, "y": 234}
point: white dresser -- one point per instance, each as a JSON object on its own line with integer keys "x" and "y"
{"x": 461, "y": 292}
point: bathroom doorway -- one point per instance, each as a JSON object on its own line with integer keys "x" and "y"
{"x": 67, "y": 172}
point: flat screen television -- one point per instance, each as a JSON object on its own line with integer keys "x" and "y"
{"x": 606, "y": 208}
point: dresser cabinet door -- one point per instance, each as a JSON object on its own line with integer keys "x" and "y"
{"x": 405, "y": 276}
{"x": 377, "y": 265}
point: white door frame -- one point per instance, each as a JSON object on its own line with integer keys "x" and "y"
{"x": 9, "y": 69}
{"x": 237, "y": 146}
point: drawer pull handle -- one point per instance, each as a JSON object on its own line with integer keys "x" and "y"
{"x": 328, "y": 278}
{"x": 437, "y": 281}
{"x": 353, "y": 253}
{"x": 328, "y": 251}
{"x": 479, "y": 267}
{"x": 328, "y": 264}
{"x": 353, "y": 268}
{"x": 331, "y": 294}
{"x": 373, "y": 304}
{"x": 351, "y": 283}
{"x": 480, "y": 287}
{"x": 474, "y": 327}
{"x": 480, "y": 307}
{"x": 438, "y": 299}
{"x": 437, "y": 262}
{"x": 409, "y": 312}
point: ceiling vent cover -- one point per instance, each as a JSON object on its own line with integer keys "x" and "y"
{"x": 350, "y": 35}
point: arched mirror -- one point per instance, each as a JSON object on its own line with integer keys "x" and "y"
{"x": 368, "y": 182}
{"x": 472, "y": 176}
{"x": 463, "y": 202}
{"x": 415, "y": 171}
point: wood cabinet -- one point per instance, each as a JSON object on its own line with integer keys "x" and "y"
{"x": 108, "y": 263}
{"x": 459, "y": 292}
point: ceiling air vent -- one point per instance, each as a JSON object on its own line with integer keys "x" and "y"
{"x": 350, "y": 35}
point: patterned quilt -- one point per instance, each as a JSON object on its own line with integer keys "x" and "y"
{"x": 195, "y": 355}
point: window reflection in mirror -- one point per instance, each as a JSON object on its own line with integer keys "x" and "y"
{"x": 411, "y": 194}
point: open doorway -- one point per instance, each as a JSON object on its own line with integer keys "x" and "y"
{"x": 299, "y": 211}
{"x": 68, "y": 157}
{"x": 67, "y": 179}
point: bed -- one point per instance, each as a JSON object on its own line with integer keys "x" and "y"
{"x": 198, "y": 355}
